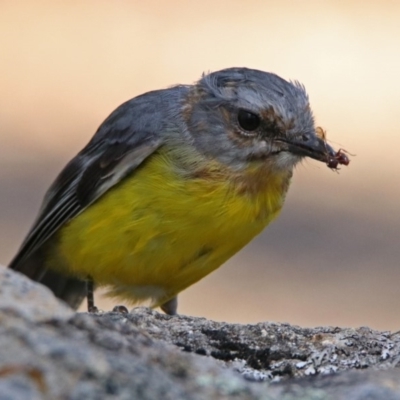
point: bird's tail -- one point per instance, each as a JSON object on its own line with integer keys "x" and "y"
{"x": 69, "y": 289}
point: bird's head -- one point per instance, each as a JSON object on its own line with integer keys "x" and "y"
{"x": 241, "y": 116}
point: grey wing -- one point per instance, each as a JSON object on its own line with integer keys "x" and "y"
{"x": 116, "y": 150}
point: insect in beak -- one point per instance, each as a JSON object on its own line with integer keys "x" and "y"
{"x": 315, "y": 146}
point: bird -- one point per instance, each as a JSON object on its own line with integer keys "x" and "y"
{"x": 172, "y": 184}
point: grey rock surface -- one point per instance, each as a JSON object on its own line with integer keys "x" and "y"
{"x": 273, "y": 351}
{"x": 49, "y": 352}
{"x": 31, "y": 301}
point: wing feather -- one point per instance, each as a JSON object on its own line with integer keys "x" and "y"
{"x": 125, "y": 139}
{"x": 87, "y": 177}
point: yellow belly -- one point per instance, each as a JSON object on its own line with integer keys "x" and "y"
{"x": 156, "y": 233}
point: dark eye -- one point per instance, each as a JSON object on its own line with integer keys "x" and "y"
{"x": 248, "y": 120}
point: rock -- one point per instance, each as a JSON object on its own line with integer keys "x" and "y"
{"x": 273, "y": 351}
{"x": 47, "y": 351}
{"x": 33, "y": 302}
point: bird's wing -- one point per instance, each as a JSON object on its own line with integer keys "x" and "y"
{"x": 116, "y": 150}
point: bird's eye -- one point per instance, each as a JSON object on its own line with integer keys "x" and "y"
{"x": 248, "y": 120}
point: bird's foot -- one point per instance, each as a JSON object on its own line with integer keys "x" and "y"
{"x": 120, "y": 309}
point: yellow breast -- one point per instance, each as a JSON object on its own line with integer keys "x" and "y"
{"x": 157, "y": 232}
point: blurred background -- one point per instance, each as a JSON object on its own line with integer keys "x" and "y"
{"x": 332, "y": 258}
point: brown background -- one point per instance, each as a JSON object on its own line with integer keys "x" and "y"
{"x": 333, "y": 255}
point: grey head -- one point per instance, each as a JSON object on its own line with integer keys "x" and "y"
{"x": 239, "y": 115}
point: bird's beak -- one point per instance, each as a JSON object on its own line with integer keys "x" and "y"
{"x": 309, "y": 145}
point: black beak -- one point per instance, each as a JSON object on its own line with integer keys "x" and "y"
{"x": 309, "y": 145}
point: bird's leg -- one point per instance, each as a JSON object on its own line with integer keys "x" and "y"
{"x": 170, "y": 307}
{"x": 89, "y": 295}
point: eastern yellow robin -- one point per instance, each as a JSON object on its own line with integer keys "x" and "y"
{"x": 173, "y": 183}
